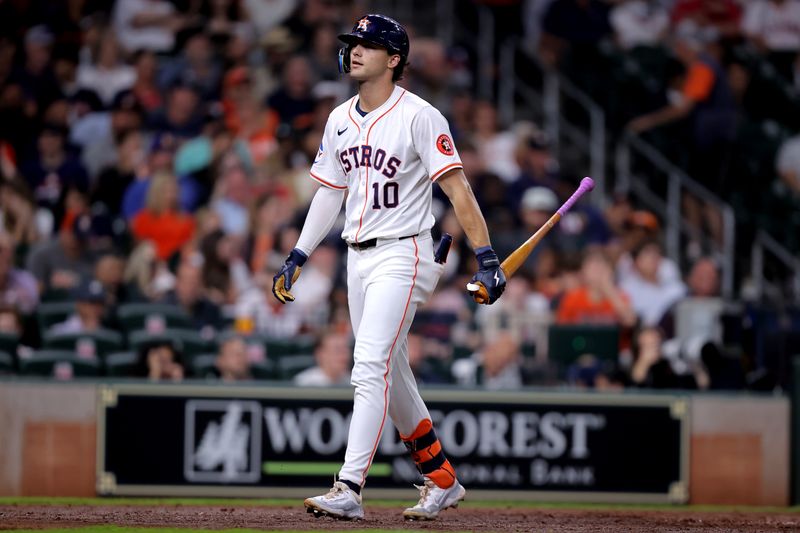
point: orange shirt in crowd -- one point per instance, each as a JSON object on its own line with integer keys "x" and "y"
{"x": 699, "y": 82}
{"x": 168, "y": 231}
{"x": 577, "y": 307}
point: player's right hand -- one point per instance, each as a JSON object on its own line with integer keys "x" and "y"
{"x": 287, "y": 275}
{"x": 488, "y": 284}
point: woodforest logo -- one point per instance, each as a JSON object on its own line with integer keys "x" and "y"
{"x": 222, "y": 441}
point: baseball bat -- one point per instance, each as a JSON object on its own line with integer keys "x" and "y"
{"x": 512, "y": 263}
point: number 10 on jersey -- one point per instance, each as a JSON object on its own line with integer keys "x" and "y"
{"x": 391, "y": 194}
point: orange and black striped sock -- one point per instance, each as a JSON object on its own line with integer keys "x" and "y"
{"x": 426, "y": 450}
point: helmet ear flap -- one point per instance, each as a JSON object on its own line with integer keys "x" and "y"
{"x": 344, "y": 59}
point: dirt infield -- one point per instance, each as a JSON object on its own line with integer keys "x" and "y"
{"x": 500, "y": 519}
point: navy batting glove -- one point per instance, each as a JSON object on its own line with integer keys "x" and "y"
{"x": 490, "y": 275}
{"x": 288, "y": 274}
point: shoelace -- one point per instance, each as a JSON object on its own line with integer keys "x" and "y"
{"x": 337, "y": 489}
{"x": 424, "y": 491}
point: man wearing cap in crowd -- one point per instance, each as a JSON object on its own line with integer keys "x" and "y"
{"x": 537, "y": 205}
{"x": 61, "y": 261}
{"x": 90, "y": 301}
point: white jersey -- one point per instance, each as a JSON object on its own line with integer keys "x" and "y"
{"x": 387, "y": 160}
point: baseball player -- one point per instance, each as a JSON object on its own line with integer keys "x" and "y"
{"x": 382, "y": 150}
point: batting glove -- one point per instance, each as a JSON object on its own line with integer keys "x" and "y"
{"x": 288, "y": 274}
{"x": 488, "y": 284}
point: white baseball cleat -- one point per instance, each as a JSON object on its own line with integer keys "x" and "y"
{"x": 433, "y": 499}
{"x": 340, "y": 502}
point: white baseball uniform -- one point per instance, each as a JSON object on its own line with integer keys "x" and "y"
{"x": 387, "y": 161}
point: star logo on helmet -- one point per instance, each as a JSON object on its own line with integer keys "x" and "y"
{"x": 363, "y": 24}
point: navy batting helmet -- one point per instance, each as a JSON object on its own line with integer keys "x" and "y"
{"x": 379, "y": 30}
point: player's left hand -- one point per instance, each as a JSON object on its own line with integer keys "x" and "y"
{"x": 488, "y": 284}
{"x": 288, "y": 274}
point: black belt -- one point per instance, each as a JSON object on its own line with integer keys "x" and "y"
{"x": 371, "y": 243}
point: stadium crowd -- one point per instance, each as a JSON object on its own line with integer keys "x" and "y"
{"x": 155, "y": 155}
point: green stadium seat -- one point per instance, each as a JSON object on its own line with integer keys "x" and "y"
{"x": 192, "y": 343}
{"x": 280, "y": 348}
{"x": 94, "y": 343}
{"x": 568, "y": 342}
{"x": 6, "y": 363}
{"x": 264, "y": 370}
{"x": 291, "y": 365}
{"x": 122, "y": 364}
{"x": 202, "y": 366}
{"x": 9, "y": 342}
{"x": 57, "y": 295}
{"x": 61, "y": 364}
{"x": 152, "y": 317}
{"x": 51, "y": 313}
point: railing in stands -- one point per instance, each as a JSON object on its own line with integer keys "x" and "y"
{"x": 669, "y": 207}
{"x": 787, "y": 293}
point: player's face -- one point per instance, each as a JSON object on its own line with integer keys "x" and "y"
{"x": 369, "y": 61}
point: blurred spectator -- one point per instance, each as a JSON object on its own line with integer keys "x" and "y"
{"x": 267, "y": 15}
{"x": 232, "y": 363}
{"x": 270, "y": 212}
{"x": 715, "y": 18}
{"x": 35, "y": 76}
{"x": 639, "y": 23}
{"x": 245, "y": 117}
{"x": 323, "y": 47}
{"x": 147, "y": 24}
{"x": 146, "y": 277}
{"x": 637, "y": 227}
{"x": 313, "y": 294}
{"x": 538, "y": 167}
{"x": 652, "y": 369}
{"x": 293, "y": 101}
{"x": 17, "y": 213}
{"x": 109, "y": 272}
{"x": 225, "y": 274}
{"x": 651, "y": 295}
{"x": 333, "y": 354}
{"x": 195, "y": 67}
{"x": 146, "y": 90}
{"x": 788, "y": 166}
{"x": 429, "y": 72}
{"x": 61, "y": 261}
{"x": 574, "y": 26}
{"x": 232, "y": 202}
{"x": 497, "y": 366}
{"x": 90, "y": 301}
{"x": 98, "y": 133}
{"x": 589, "y": 372}
{"x": 160, "y": 160}
{"x": 495, "y": 145}
{"x": 428, "y": 367}
{"x": 53, "y": 169}
{"x": 161, "y": 360}
{"x": 182, "y": 114}
{"x": 598, "y": 300}
{"x": 536, "y": 207}
{"x": 18, "y": 288}
{"x": 107, "y": 74}
{"x": 161, "y": 221}
{"x": 110, "y": 186}
{"x": 773, "y": 26}
{"x": 188, "y": 294}
{"x": 222, "y": 17}
{"x": 708, "y": 103}
{"x": 522, "y": 312}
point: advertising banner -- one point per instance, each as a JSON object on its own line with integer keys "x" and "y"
{"x": 262, "y": 441}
